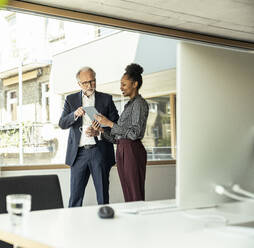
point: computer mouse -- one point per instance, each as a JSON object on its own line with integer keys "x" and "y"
{"x": 106, "y": 212}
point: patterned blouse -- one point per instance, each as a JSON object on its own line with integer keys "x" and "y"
{"x": 132, "y": 122}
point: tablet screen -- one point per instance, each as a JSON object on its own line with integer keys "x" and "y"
{"x": 91, "y": 111}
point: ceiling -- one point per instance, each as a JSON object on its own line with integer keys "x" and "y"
{"x": 233, "y": 19}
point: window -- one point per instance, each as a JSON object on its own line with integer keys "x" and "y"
{"x": 11, "y": 20}
{"x": 152, "y": 106}
{"x": 101, "y": 31}
{"x": 55, "y": 30}
{"x": 159, "y": 139}
{"x": 12, "y": 105}
{"x": 66, "y": 46}
{"x": 45, "y": 101}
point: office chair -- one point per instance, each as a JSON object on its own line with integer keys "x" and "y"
{"x": 44, "y": 189}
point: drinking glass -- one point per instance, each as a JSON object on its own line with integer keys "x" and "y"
{"x": 18, "y": 206}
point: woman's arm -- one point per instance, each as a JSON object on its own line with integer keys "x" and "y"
{"x": 138, "y": 122}
{"x": 105, "y": 133}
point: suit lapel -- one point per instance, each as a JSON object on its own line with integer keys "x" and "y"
{"x": 96, "y": 99}
{"x": 79, "y": 104}
{"x": 77, "y": 100}
{"x": 80, "y": 99}
{"x": 99, "y": 102}
{"x": 96, "y": 103}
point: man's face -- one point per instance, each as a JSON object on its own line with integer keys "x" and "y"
{"x": 87, "y": 82}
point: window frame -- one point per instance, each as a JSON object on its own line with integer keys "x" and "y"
{"x": 95, "y": 19}
{"x": 82, "y": 17}
{"x": 9, "y": 102}
{"x": 44, "y": 95}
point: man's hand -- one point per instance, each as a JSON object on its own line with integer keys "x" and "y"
{"x": 79, "y": 112}
{"x": 90, "y": 132}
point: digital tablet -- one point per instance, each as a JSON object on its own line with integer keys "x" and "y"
{"x": 91, "y": 111}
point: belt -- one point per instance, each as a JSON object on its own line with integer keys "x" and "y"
{"x": 86, "y": 147}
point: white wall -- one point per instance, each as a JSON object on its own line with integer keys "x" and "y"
{"x": 160, "y": 183}
{"x": 215, "y": 122}
{"x": 106, "y": 56}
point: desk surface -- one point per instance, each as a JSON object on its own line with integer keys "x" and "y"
{"x": 81, "y": 227}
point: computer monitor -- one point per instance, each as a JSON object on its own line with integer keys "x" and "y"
{"x": 215, "y": 123}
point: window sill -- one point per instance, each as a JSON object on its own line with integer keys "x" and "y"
{"x": 63, "y": 166}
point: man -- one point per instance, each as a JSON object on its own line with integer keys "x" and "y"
{"x": 86, "y": 153}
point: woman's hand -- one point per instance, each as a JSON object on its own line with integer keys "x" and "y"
{"x": 103, "y": 120}
{"x": 91, "y": 132}
{"x": 96, "y": 126}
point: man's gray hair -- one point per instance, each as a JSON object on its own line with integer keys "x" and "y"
{"x": 84, "y": 69}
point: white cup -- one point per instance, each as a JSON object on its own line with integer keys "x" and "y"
{"x": 18, "y": 206}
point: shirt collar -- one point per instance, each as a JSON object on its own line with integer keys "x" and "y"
{"x": 86, "y": 97}
{"x": 132, "y": 100}
{"x": 135, "y": 97}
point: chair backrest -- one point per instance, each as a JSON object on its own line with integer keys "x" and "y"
{"x": 45, "y": 190}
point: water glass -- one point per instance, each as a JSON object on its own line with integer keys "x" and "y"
{"x": 18, "y": 206}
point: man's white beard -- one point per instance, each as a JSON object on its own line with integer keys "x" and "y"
{"x": 89, "y": 92}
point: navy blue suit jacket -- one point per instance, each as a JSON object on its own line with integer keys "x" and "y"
{"x": 104, "y": 105}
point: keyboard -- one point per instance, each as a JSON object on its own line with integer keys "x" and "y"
{"x": 143, "y": 207}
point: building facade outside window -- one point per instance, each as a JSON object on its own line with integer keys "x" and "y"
{"x": 12, "y": 105}
{"x": 45, "y": 102}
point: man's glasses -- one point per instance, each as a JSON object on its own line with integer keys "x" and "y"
{"x": 86, "y": 83}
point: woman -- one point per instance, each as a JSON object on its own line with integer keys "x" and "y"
{"x": 131, "y": 155}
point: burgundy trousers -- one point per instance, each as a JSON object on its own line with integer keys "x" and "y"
{"x": 131, "y": 161}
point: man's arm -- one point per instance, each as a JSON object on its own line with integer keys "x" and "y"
{"x": 69, "y": 116}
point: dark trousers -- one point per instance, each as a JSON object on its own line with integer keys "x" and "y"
{"x": 131, "y": 161}
{"x": 88, "y": 161}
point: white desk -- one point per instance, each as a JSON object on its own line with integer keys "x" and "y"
{"x": 81, "y": 227}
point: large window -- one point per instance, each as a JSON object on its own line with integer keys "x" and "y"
{"x": 55, "y": 30}
{"x": 12, "y": 105}
{"x": 158, "y": 140}
{"x": 50, "y": 58}
{"x": 45, "y": 101}
{"x": 12, "y": 34}
{"x": 160, "y": 131}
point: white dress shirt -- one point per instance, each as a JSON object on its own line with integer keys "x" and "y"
{"x": 84, "y": 140}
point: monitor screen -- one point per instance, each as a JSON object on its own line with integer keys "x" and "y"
{"x": 215, "y": 123}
